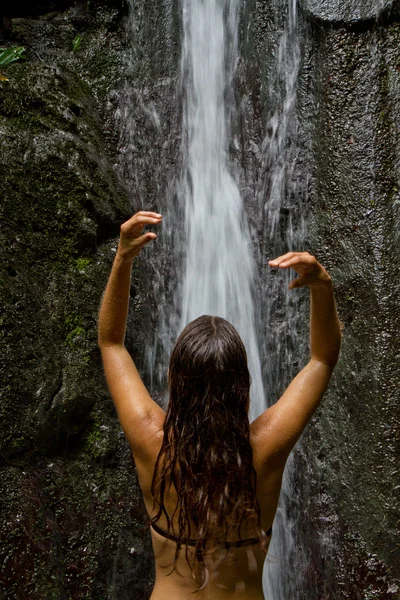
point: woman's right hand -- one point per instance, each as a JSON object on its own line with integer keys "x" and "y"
{"x": 312, "y": 273}
{"x": 132, "y": 238}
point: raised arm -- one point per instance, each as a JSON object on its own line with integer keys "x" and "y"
{"x": 278, "y": 429}
{"x": 138, "y": 413}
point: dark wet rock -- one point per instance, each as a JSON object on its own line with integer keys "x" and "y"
{"x": 70, "y": 512}
{"x": 60, "y": 198}
{"x": 351, "y": 12}
{"x": 44, "y": 8}
{"x": 354, "y": 227}
{"x": 346, "y": 174}
{"x": 69, "y": 526}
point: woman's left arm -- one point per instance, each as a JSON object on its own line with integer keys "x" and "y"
{"x": 138, "y": 413}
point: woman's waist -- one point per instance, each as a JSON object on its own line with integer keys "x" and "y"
{"x": 240, "y": 542}
{"x": 229, "y": 570}
{"x": 226, "y": 584}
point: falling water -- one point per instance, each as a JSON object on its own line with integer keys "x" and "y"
{"x": 284, "y": 346}
{"x": 218, "y": 273}
{"x": 219, "y": 270}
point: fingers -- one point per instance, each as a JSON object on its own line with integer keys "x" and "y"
{"x": 132, "y": 238}
{"x": 291, "y": 258}
{"x": 277, "y": 262}
{"x": 145, "y": 239}
{"x": 310, "y": 271}
{"x": 296, "y": 283}
{"x": 134, "y": 226}
{"x": 140, "y": 219}
{"x": 146, "y": 217}
{"x": 299, "y": 261}
{"x": 147, "y": 213}
{"x": 141, "y": 241}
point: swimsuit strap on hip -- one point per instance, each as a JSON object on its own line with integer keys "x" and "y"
{"x": 191, "y": 542}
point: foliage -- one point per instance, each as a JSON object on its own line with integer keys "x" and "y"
{"x": 75, "y": 331}
{"x": 10, "y": 55}
{"x": 76, "y": 43}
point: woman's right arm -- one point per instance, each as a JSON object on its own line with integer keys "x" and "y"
{"x": 278, "y": 428}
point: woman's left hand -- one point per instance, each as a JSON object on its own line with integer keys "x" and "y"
{"x": 312, "y": 273}
{"x": 132, "y": 238}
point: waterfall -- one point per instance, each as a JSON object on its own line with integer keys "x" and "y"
{"x": 284, "y": 347}
{"x": 213, "y": 254}
{"x": 219, "y": 272}
{"x": 219, "y": 268}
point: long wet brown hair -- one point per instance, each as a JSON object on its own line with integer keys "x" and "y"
{"x": 206, "y": 453}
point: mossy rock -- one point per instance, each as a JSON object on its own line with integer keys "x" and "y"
{"x": 61, "y": 199}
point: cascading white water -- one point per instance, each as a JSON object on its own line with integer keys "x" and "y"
{"x": 153, "y": 127}
{"x": 219, "y": 270}
{"x": 285, "y": 224}
{"x": 280, "y": 126}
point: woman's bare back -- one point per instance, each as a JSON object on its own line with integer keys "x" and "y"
{"x": 272, "y": 435}
{"x": 238, "y": 571}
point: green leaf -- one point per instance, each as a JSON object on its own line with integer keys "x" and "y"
{"x": 76, "y": 43}
{"x": 10, "y": 55}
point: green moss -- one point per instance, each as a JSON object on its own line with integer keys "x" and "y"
{"x": 82, "y": 263}
{"x": 77, "y": 338}
{"x": 17, "y": 442}
{"x": 72, "y": 321}
{"x": 74, "y": 336}
{"x": 93, "y": 442}
{"x": 102, "y": 439}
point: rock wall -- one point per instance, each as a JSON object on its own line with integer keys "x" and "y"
{"x": 355, "y": 224}
{"x": 71, "y": 516}
{"x": 346, "y": 176}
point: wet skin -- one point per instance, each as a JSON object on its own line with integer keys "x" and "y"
{"x": 240, "y": 574}
{"x": 273, "y": 433}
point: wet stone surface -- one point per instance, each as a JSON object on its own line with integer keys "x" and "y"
{"x": 354, "y": 222}
{"x": 351, "y": 12}
{"x": 72, "y": 519}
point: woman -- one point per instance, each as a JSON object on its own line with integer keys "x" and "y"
{"x": 210, "y": 480}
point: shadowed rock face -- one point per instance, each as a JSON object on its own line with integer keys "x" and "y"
{"x": 355, "y": 224}
{"x": 26, "y": 8}
{"x": 71, "y": 514}
{"x": 71, "y": 517}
